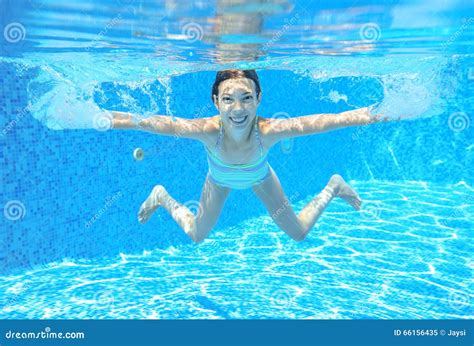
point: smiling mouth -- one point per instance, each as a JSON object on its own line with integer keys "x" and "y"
{"x": 238, "y": 121}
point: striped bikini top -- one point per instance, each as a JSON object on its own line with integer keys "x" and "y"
{"x": 237, "y": 175}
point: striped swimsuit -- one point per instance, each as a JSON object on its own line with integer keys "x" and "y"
{"x": 237, "y": 176}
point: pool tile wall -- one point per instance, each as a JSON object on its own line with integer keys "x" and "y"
{"x": 60, "y": 179}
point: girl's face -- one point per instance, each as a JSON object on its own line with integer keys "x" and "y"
{"x": 237, "y": 103}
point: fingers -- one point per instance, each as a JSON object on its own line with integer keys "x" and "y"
{"x": 381, "y": 118}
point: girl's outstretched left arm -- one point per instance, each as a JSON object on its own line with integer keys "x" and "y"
{"x": 279, "y": 129}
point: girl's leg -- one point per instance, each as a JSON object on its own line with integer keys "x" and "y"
{"x": 196, "y": 227}
{"x": 273, "y": 197}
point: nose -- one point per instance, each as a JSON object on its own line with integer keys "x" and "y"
{"x": 238, "y": 107}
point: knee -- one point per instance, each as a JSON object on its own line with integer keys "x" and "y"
{"x": 199, "y": 234}
{"x": 198, "y": 240}
{"x": 299, "y": 238}
{"x": 295, "y": 233}
{"x": 158, "y": 191}
{"x": 158, "y": 188}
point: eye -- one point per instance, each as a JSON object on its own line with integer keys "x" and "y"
{"x": 249, "y": 97}
{"x": 226, "y": 99}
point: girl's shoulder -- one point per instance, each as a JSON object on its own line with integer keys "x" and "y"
{"x": 264, "y": 127}
{"x": 210, "y": 130}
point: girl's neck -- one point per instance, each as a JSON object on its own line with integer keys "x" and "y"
{"x": 239, "y": 139}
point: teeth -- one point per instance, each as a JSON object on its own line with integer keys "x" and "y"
{"x": 238, "y": 120}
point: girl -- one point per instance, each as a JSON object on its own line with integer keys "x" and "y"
{"x": 237, "y": 142}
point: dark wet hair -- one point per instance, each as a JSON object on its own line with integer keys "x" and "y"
{"x": 229, "y": 74}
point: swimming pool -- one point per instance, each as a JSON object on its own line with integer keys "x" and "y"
{"x": 71, "y": 246}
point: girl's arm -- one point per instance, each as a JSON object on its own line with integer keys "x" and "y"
{"x": 279, "y": 129}
{"x": 162, "y": 124}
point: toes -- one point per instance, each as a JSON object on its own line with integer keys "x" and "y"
{"x": 142, "y": 218}
{"x": 142, "y": 215}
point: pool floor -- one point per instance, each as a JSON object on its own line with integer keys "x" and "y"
{"x": 406, "y": 255}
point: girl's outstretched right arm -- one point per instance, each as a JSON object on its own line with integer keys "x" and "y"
{"x": 163, "y": 125}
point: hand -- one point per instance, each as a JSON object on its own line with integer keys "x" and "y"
{"x": 126, "y": 120}
{"x": 378, "y": 118}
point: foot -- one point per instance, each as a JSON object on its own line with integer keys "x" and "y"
{"x": 151, "y": 204}
{"x": 344, "y": 191}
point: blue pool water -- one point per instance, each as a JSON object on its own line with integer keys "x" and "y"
{"x": 70, "y": 243}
